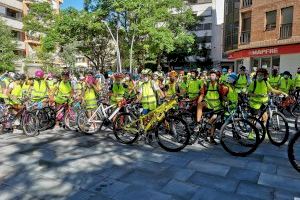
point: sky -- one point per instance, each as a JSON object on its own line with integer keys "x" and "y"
{"x": 78, "y": 4}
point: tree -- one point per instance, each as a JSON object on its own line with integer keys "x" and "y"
{"x": 7, "y": 47}
{"x": 90, "y": 34}
{"x": 148, "y": 27}
{"x": 40, "y": 18}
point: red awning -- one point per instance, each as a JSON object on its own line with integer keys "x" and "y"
{"x": 265, "y": 51}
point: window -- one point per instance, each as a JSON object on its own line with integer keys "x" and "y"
{"x": 287, "y": 15}
{"x": 286, "y": 29}
{"x": 204, "y": 39}
{"x": 271, "y": 20}
{"x": 11, "y": 13}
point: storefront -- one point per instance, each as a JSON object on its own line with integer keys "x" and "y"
{"x": 285, "y": 57}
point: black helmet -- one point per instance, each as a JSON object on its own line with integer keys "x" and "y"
{"x": 17, "y": 77}
{"x": 65, "y": 73}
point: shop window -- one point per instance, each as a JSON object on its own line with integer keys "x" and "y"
{"x": 271, "y": 20}
{"x": 266, "y": 63}
{"x": 276, "y": 62}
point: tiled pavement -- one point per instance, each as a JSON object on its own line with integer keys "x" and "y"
{"x": 68, "y": 165}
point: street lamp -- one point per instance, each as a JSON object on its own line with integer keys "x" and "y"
{"x": 116, "y": 41}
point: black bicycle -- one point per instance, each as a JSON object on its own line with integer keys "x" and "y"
{"x": 294, "y": 151}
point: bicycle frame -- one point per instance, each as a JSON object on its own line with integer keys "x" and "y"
{"x": 155, "y": 116}
{"x": 102, "y": 111}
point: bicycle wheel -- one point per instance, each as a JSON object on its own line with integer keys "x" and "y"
{"x": 297, "y": 120}
{"x": 42, "y": 116}
{"x": 70, "y": 120}
{"x": 239, "y": 141}
{"x": 295, "y": 110}
{"x": 191, "y": 121}
{"x": 294, "y": 151}
{"x": 29, "y": 124}
{"x": 172, "y": 134}
{"x": 125, "y": 128}
{"x": 260, "y": 127}
{"x": 86, "y": 126}
{"x": 277, "y": 129}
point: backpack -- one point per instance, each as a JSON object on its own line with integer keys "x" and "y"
{"x": 254, "y": 86}
{"x": 218, "y": 85}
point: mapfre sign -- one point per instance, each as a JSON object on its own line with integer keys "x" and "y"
{"x": 258, "y": 52}
{"x": 262, "y": 52}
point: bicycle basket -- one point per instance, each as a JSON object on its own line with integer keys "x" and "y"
{"x": 288, "y": 101}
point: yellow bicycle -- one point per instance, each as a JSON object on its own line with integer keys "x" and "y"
{"x": 171, "y": 132}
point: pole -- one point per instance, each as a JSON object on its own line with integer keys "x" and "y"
{"x": 131, "y": 52}
{"x": 116, "y": 45}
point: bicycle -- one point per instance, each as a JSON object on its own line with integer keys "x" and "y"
{"x": 65, "y": 114}
{"x": 102, "y": 116}
{"x": 28, "y": 120}
{"x": 277, "y": 135}
{"x": 294, "y": 151}
{"x": 171, "y": 132}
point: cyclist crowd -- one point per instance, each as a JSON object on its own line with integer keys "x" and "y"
{"x": 209, "y": 90}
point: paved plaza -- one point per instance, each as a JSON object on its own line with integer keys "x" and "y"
{"x": 68, "y": 165}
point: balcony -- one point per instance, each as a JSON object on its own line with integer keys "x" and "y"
{"x": 33, "y": 39}
{"x": 245, "y": 37}
{"x": 286, "y": 31}
{"x": 246, "y": 3}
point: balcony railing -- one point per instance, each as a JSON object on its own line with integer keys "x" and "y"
{"x": 246, "y": 3}
{"x": 286, "y": 31}
{"x": 245, "y": 37}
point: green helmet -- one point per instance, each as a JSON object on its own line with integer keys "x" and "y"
{"x": 146, "y": 72}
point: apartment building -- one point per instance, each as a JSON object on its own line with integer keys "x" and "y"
{"x": 266, "y": 33}
{"x": 210, "y": 27}
{"x": 12, "y": 12}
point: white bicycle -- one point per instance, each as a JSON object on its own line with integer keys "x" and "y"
{"x": 92, "y": 122}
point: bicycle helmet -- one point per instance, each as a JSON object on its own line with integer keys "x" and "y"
{"x": 39, "y": 73}
{"x": 173, "y": 74}
{"x": 65, "y": 73}
{"x": 17, "y": 77}
{"x": 146, "y": 72}
{"x": 232, "y": 78}
{"x": 224, "y": 70}
{"x": 242, "y": 68}
{"x": 156, "y": 73}
{"x": 213, "y": 71}
{"x": 118, "y": 75}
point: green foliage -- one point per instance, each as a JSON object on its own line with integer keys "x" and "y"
{"x": 7, "y": 48}
{"x": 40, "y": 18}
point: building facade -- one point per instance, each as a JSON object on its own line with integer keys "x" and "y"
{"x": 209, "y": 29}
{"x": 12, "y": 12}
{"x": 268, "y": 34}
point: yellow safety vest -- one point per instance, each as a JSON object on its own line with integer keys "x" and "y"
{"x": 39, "y": 90}
{"x": 90, "y": 98}
{"x": 148, "y": 96}
{"x": 212, "y": 97}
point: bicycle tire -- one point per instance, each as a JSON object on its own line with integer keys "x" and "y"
{"x": 291, "y": 152}
{"x": 194, "y": 135}
{"x": 271, "y": 133}
{"x": 70, "y": 120}
{"x": 182, "y": 139}
{"x": 29, "y": 124}
{"x": 117, "y": 130}
{"x": 262, "y": 130}
{"x": 296, "y": 123}
{"x": 229, "y": 148}
{"x": 83, "y": 126}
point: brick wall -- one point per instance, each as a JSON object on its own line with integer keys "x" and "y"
{"x": 259, "y": 36}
